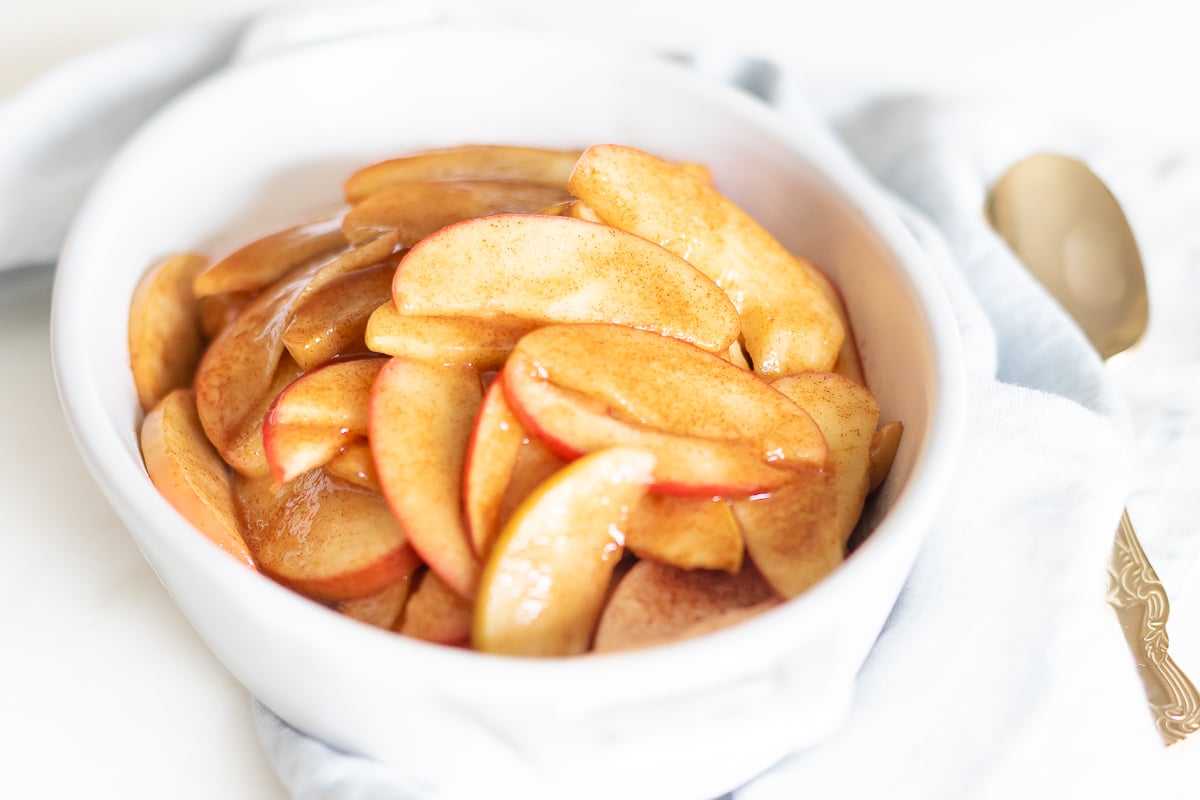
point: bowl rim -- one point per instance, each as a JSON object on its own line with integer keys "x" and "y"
{"x": 727, "y": 650}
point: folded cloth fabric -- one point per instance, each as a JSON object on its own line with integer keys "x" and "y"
{"x": 1001, "y": 672}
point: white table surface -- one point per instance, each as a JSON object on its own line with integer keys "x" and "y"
{"x": 105, "y": 691}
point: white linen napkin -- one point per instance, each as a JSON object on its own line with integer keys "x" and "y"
{"x": 1002, "y": 672}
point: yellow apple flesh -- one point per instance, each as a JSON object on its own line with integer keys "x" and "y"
{"x": 469, "y": 162}
{"x": 415, "y": 209}
{"x": 686, "y": 532}
{"x": 421, "y": 417}
{"x": 165, "y": 341}
{"x": 189, "y": 473}
{"x": 547, "y": 577}
{"x": 787, "y": 323}
{"x": 481, "y": 343}
{"x": 331, "y": 322}
{"x": 714, "y": 428}
{"x": 264, "y": 261}
{"x": 558, "y": 270}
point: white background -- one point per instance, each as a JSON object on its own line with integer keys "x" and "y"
{"x": 104, "y": 690}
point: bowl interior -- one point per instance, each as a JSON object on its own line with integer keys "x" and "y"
{"x": 269, "y": 142}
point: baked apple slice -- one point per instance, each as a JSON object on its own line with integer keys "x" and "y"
{"x": 415, "y": 209}
{"x": 165, "y": 341}
{"x": 420, "y": 420}
{"x": 331, "y": 322}
{"x": 686, "y": 532}
{"x": 547, "y": 577}
{"x": 436, "y": 613}
{"x": 481, "y": 343}
{"x": 264, "y": 261}
{"x": 714, "y": 428}
{"x": 656, "y": 603}
{"x": 787, "y": 323}
{"x": 798, "y": 534}
{"x": 557, "y": 270}
{"x": 327, "y": 540}
{"x": 189, "y": 473}
{"x": 468, "y": 162}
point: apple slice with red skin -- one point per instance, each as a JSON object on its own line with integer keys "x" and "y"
{"x": 714, "y": 428}
{"x": 657, "y": 603}
{"x": 468, "y": 162}
{"x": 317, "y": 415}
{"x": 686, "y": 532}
{"x": 264, "y": 261}
{"x": 798, "y": 534}
{"x": 328, "y": 540}
{"x": 436, "y": 613}
{"x": 189, "y": 473}
{"x": 415, "y": 209}
{"x": 331, "y": 322}
{"x": 164, "y": 333}
{"x": 560, "y": 270}
{"x": 420, "y": 420}
{"x": 547, "y": 577}
{"x": 482, "y": 343}
{"x": 787, "y": 324}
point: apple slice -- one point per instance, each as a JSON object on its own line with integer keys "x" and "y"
{"x": 293, "y": 449}
{"x": 327, "y": 540}
{"x": 382, "y": 609}
{"x": 546, "y": 580}
{"x": 218, "y": 311}
{"x": 559, "y": 269}
{"x": 686, "y": 532}
{"x": 469, "y": 162}
{"x": 884, "y": 444}
{"x": 415, "y": 209}
{"x": 164, "y": 334}
{"x": 189, "y": 473}
{"x": 436, "y": 613}
{"x": 536, "y": 463}
{"x": 334, "y": 395}
{"x": 264, "y": 261}
{"x": 656, "y": 603}
{"x": 849, "y": 362}
{"x": 353, "y": 464}
{"x": 481, "y": 343}
{"x": 798, "y": 535}
{"x": 787, "y": 323}
{"x": 496, "y": 441}
{"x": 714, "y": 428}
{"x": 234, "y": 380}
{"x": 331, "y": 322}
{"x": 420, "y": 420}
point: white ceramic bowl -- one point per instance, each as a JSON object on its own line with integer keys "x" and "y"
{"x": 269, "y": 142}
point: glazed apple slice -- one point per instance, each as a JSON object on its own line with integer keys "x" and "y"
{"x": 331, "y": 322}
{"x": 353, "y": 464}
{"x": 559, "y": 269}
{"x": 481, "y": 343}
{"x": 382, "y": 609}
{"x": 686, "y": 532}
{"x": 164, "y": 334}
{"x": 415, "y": 209}
{"x": 656, "y": 603}
{"x": 469, "y": 162}
{"x": 849, "y": 361}
{"x": 264, "y": 261}
{"x": 548, "y": 574}
{"x": 884, "y": 444}
{"x": 495, "y": 443}
{"x": 436, "y": 613}
{"x": 420, "y": 420}
{"x": 218, "y": 311}
{"x": 334, "y": 395}
{"x": 327, "y": 540}
{"x": 798, "y": 535}
{"x": 787, "y": 323}
{"x": 714, "y": 428}
{"x": 189, "y": 473}
{"x": 293, "y": 449}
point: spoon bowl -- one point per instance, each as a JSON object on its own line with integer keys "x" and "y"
{"x": 1067, "y": 228}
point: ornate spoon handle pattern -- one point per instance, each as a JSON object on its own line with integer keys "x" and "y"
{"x": 1141, "y": 605}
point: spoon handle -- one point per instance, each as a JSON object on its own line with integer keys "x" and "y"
{"x": 1141, "y": 605}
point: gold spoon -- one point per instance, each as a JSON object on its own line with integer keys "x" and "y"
{"x": 1067, "y": 228}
